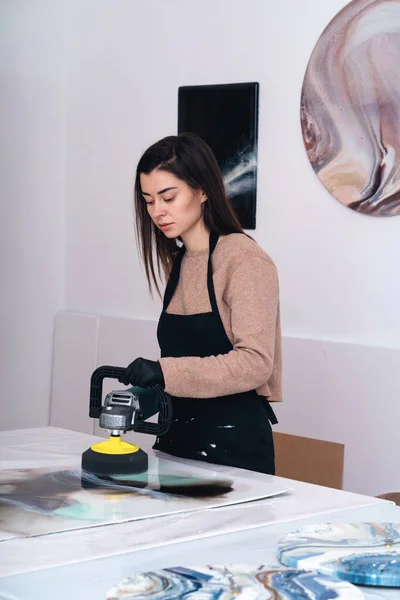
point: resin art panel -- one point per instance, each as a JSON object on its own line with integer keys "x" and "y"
{"x": 48, "y": 500}
{"x": 226, "y": 117}
{"x": 232, "y": 582}
{"x": 350, "y": 107}
{"x": 362, "y": 553}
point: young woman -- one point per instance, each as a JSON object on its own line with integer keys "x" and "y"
{"x": 219, "y": 331}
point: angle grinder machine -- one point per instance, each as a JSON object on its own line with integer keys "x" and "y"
{"x": 123, "y": 411}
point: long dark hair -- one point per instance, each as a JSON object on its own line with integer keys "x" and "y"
{"x": 189, "y": 158}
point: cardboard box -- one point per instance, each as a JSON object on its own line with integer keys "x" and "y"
{"x": 309, "y": 460}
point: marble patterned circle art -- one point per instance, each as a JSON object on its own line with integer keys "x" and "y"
{"x": 362, "y": 553}
{"x": 350, "y": 107}
{"x": 232, "y": 582}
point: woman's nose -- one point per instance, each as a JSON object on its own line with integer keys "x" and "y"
{"x": 159, "y": 209}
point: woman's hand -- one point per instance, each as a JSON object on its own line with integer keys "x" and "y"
{"x": 142, "y": 372}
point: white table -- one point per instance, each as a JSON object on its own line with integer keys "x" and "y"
{"x": 85, "y": 564}
{"x": 90, "y": 580}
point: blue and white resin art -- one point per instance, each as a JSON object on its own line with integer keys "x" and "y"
{"x": 362, "y": 553}
{"x": 232, "y": 582}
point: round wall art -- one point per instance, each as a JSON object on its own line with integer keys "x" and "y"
{"x": 350, "y": 107}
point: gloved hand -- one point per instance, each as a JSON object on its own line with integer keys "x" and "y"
{"x": 143, "y": 372}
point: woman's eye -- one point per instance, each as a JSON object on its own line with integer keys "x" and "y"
{"x": 168, "y": 199}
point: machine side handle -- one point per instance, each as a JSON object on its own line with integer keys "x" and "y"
{"x": 96, "y": 387}
{"x": 164, "y": 414}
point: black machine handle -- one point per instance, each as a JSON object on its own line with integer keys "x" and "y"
{"x": 96, "y": 392}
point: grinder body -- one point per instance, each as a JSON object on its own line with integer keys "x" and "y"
{"x": 122, "y": 412}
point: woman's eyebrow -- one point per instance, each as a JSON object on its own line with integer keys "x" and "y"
{"x": 161, "y": 191}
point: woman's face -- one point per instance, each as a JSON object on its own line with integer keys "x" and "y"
{"x": 174, "y": 207}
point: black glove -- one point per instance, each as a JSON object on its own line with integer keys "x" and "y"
{"x": 143, "y": 372}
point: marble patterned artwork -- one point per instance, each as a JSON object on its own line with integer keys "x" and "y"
{"x": 362, "y": 553}
{"x": 350, "y": 107}
{"x": 47, "y": 500}
{"x": 232, "y": 582}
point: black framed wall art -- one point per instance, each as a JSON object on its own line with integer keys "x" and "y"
{"x": 226, "y": 117}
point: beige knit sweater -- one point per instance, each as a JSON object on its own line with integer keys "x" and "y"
{"x": 247, "y": 294}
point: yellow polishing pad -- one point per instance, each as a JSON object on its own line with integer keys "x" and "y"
{"x": 114, "y": 445}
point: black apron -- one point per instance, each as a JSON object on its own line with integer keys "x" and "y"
{"x": 229, "y": 430}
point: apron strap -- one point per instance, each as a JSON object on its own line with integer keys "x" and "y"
{"x": 271, "y": 415}
{"x": 210, "y": 283}
{"x": 173, "y": 278}
{"x": 175, "y": 272}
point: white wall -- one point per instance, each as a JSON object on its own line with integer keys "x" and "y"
{"x": 32, "y": 180}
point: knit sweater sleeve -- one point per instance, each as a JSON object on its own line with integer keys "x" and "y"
{"x": 252, "y": 296}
